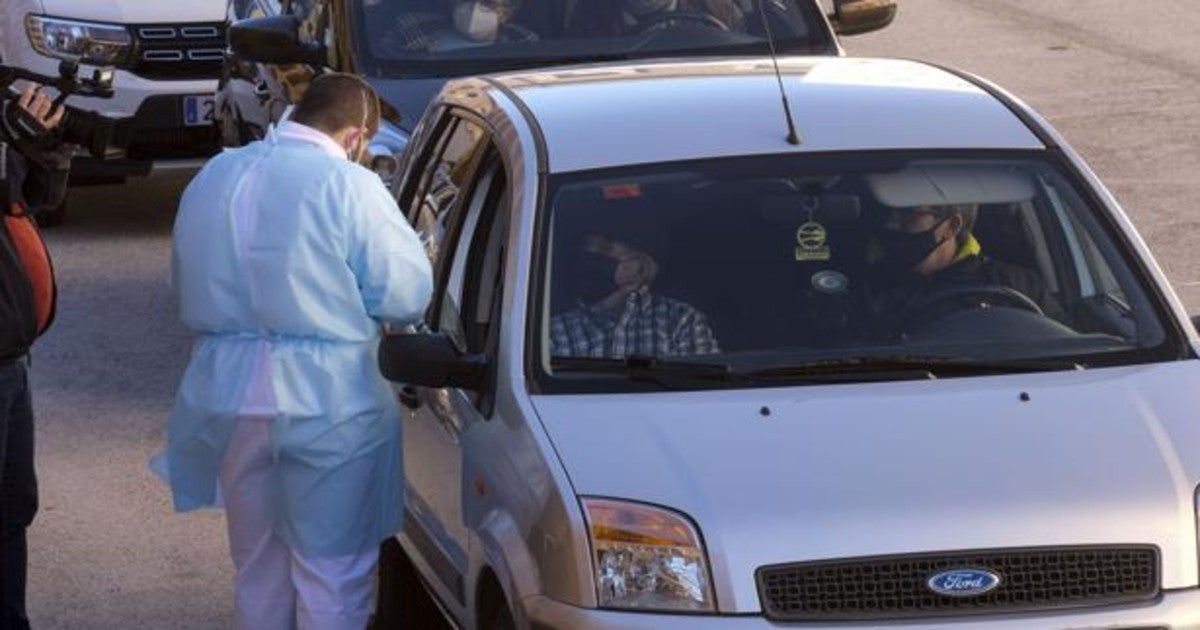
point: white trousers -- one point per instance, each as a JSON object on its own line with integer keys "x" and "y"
{"x": 276, "y": 588}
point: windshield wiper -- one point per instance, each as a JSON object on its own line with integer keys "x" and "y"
{"x": 665, "y": 372}
{"x": 902, "y": 367}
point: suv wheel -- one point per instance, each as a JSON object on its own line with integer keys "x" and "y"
{"x": 402, "y": 601}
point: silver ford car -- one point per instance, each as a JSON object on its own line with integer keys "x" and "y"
{"x": 896, "y": 359}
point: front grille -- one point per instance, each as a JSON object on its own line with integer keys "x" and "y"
{"x": 178, "y": 51}
{"x": 895, "y": 587}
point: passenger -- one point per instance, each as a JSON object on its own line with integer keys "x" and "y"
{"x": 461, "y": 25}
{"x": 927, "y": 252}
{"x": 615, "y": 314}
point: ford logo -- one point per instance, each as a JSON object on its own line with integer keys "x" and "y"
{"x": 963, "y": 582}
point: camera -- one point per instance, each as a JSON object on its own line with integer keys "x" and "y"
{"x": 100, "y": 135}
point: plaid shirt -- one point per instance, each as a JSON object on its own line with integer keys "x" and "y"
{"x": 650, "y": 325}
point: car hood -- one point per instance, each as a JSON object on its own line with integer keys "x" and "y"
{"x": 138, "y": 11}
{"x": 1104, "y": 456}
{"x": 409, "y": 97}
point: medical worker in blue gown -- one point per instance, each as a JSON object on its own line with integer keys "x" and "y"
{"x": 288, "y": 256}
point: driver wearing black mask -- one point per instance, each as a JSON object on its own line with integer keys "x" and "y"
{"x": 931, "y": 265}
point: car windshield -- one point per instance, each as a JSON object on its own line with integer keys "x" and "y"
{"x": 836, "y": 267}
{"x": 453, "y": 37}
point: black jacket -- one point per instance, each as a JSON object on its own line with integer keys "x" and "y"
{"x": 903, "y": 304}
{"x": 35, "y": 178}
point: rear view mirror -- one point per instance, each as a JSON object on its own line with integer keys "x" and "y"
{"x": 429, "y": 360}
{"x": 854, "y": 17}
{"x": 273, "y": 39}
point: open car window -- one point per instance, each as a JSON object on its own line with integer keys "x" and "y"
{"x": 754, "y": 264}
{"x": 450, "y": 38}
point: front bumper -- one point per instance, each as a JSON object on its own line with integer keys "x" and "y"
{"x": 1174, "y": 610}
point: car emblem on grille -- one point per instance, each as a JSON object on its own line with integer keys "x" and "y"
{"x": 963, "y": 582}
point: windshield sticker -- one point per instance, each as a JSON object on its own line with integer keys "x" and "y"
{"x": 622, "y": 191}
{"x": 810, "y": 243}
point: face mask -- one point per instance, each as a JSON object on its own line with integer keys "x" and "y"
{"x": 594, "y": 277}
{"x": 477, "y": 22}
{"x": 903, "y": 251}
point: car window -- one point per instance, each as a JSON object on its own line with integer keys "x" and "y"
{"x": 474, "y": 275}
{"x": 438, "y": 37}
{"x": 785, "y": 259}
{"x": 317, "y": 26}
{"x": 469, "y": 305}
{"x": 452, "y": 163}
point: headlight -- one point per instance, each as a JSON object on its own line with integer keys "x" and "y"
{"x": 647, "y": 558}
{"x": 90, "y": 42}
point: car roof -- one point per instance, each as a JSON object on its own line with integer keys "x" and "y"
{"x": 616, "y": 114}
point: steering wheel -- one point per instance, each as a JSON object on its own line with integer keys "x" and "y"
{"x": 979, "y": 294}
{"x": 662, "y": 18}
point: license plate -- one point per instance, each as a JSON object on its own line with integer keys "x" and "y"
{"x": 198, "y": 110}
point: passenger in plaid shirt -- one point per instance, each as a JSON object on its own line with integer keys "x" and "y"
{"x": 617, "y": 313}
{"x": 463, "y": 24}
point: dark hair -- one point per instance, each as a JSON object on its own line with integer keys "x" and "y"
{"x": 336, "y": 100}
{"x": 968, "y": 211}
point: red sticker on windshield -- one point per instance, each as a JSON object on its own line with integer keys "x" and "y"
{"x": 622, "y": 191}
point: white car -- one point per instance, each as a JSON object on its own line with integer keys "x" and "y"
{"x": 167, "y": 56}
{"x": 913, "y": 368}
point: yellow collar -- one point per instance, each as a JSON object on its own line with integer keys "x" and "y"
{"x": 970, "y": 248}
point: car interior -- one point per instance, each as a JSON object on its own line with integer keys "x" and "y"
{"x": 788, "y": 262}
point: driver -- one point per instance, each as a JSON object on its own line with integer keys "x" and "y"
{"x": 641, "y": 14}
{"x": 464, "y": 24}
{"x": 930, "y": 250}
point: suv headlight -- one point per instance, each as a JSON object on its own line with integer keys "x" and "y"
{"x": 647, "y": 558}
{"x": 91, "y": 42}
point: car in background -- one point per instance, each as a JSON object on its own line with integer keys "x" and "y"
{"x": 672, "y": 375}
{"x": 167, "y": 57}
{"x": 277, "y": 46}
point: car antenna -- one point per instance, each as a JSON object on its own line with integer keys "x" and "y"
{"x": 792, "y": 137}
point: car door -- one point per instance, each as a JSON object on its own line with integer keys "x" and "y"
{"x": 454, "y": 192}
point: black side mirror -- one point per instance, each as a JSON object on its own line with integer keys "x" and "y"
{"x": 273, "y": 39}
{"x": 429, "y": 360}
{"x": 854, "y": 17}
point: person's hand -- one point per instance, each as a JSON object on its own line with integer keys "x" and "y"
{"x": 635, "y": 269}
{"x": 40, "y": 108}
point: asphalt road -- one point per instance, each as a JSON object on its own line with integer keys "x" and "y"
{"x": 1119, "y": 79}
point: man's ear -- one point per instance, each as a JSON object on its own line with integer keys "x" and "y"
{"x": 955, "y": 223}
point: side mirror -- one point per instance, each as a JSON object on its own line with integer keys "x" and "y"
{"x": 273, "y": 39}
{"x": 429, "y": 360}
{"x": 854, "y": 17}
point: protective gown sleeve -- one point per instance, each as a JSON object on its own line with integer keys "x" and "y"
{"x": 386, "y": 255}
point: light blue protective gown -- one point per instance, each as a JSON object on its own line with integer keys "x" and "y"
{"x": 286, "y": 259}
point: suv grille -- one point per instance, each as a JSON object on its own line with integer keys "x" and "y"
{"x": 895, "y": 587}
{"x": 178, "y": 51}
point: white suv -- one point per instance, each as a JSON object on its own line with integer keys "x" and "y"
{"x": 167, "y": 57}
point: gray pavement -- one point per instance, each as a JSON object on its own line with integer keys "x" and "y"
{"x": 1118, "y": 78}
